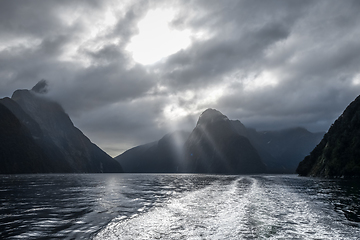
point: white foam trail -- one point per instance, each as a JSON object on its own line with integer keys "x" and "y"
{"x": 249, "y": 207}
{"x": 191, "y": 216}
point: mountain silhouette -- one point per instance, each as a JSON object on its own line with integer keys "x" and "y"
{"x": 163, "y": 156}
{"x": 64, "y": 148}
{"x": 218, "y": 144}
{"x": 214, "y": 146}
{"x": 338, "y": 153}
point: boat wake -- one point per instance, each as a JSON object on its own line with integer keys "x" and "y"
{"x": 244, "y": 208}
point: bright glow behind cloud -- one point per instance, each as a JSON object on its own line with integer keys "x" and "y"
{"x": 156, "y": 39}
{"x": 356, "y": 80}
{"x": 265, "y": 79}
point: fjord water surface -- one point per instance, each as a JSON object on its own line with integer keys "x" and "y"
{"x": 177, "y": 206}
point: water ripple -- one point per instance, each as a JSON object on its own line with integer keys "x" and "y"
{"x": 188, "y": 206}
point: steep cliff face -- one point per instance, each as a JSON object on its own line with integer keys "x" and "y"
{"x": 215, "y": 147}
{"x": 58, "y": 130}
{"x": 338, "y": 153}
{"x": 19, "y": 152}
{"x": 63, "y": 147}
{"x": 53, "y": 156}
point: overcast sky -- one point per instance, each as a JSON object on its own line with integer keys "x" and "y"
{"x": 127, "y": 72}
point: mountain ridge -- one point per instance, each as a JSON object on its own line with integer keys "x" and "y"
{"x": 281, "y": 159}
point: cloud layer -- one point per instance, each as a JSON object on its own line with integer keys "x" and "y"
{"x": 270, "y": 64}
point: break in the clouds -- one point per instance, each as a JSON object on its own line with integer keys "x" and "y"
{"x": 127, "y": 72}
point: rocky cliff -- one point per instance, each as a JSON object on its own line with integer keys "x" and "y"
{"x": 338, "y": 153}
{"x": 62, "y": 144}
{"x": 19, "y": 152}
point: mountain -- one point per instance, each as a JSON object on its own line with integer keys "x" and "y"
{"x": 63, "y": 147}
{"x": 52, "y": 156}
{"x": 214, "y": 146}
{"x": 280, "y": 150}
{"x": 19, "y": 152}
{"x": 338, "y": 153}
{"x": 163, "y": 156}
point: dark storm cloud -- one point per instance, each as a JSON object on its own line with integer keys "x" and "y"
{"x": 270, "y": 64}
{"x": 102, "y": 85}
{"x": 34, "y": 18}
{"x": 104, "y": 81}
{"x": 33, "y": 35}
{"x": 243, "y": 31}
{"x": 144, "y": 115}
{"x": 42, "y": 19}
{"x": 287, "y": 104}
{"x": 207, "y": 62}
{"x": 22, "y": 66}
{"x": 125, "y": 27}
{"x": 312, "y": 46}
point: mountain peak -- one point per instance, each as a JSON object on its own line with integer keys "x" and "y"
{"x": 64, "y": 146}
{"x": 41, "y": 87}
{"x": 211, "y": 115}
{"x": 214, "y": 146}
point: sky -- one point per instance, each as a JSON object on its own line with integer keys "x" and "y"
{"x": 128, "y": 72}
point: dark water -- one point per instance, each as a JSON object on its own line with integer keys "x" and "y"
{"x": 139, "y": 206}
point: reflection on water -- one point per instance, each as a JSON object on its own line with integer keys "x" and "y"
{"x": 75, "y": 206}
{"x": 148, "y": 206}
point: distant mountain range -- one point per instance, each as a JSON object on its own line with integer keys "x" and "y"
{"x": 37, "y": 136}
{"x": 220, "y": 145}
{"x": 281, "y": 150}
{"x": 338, "y": 153}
